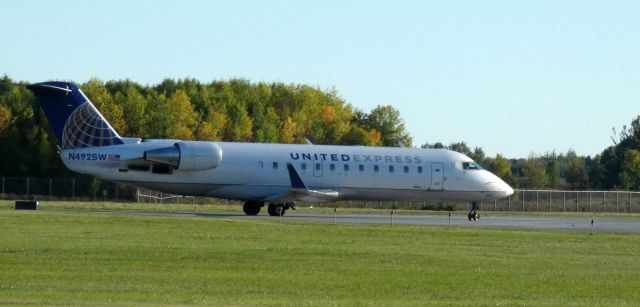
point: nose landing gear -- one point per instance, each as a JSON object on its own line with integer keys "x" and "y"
{"x": 473, "y": 213}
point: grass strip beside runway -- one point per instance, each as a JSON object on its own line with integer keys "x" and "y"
{"x": 69, "y": 258}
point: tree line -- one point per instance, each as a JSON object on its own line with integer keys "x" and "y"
{"x": 239, "y": 110}
{"x": 229, "y": 110}
{"x": 616, "y": 168}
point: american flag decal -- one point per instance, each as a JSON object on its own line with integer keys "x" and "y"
{"x": 113, "y": 157}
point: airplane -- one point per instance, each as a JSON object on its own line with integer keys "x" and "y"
{"x": 259, "y": 174}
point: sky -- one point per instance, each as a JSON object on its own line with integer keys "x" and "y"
{"x": 512, "y": 77}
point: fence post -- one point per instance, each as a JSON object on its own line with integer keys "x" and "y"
{"x": 577, "y": 204}
{"x": 549, "y": 201}
{"x": 617, "y": 201}
{"x": 564, "y": 201}
{"x": 522, "y": 200}
{"x": 590, "y": 202}
{"x": 495, "y": 205}
{"x": 604, "y": 201}
{"x": 537, "y": 201}
{"x": 509, "y": 203}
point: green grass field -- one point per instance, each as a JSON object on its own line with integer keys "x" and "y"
{"x": 56, "y": 257}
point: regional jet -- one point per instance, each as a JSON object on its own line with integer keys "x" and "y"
{"x": 275, "y": 175}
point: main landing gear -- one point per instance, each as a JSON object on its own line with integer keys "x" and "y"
{"x": 279, "y": 209}
{"x": 473, "y": 213}
{"x": 253, "y": 208}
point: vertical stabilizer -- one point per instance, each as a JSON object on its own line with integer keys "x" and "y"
{"x": 75, "y": 121}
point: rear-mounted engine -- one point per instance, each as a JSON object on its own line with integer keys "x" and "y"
{"x": 187, "y": 155}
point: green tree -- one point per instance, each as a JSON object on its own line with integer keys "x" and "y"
{"x": 436, "y": 145}
{"x": 95, "y": 90}
{"x": 630, "y": 175}
{"x": 501, "y": 167}
{"x": 240, "y": 124}
{"x": 134, "y": 107}
{"x": 535, "y": 173}
{"x": 576, "y": 175}
{"x": 212, "y": 128}
{"x": 461, "y": 147}
{"x": 5, "y": 117}
{"x": 159, "y": 117}
{"x": 550, "y": 159}
{"x": 183, "y": 118}
{"x": 289, "y": 131}
{"x": 359, "y": 136}
{"x": 266, "y": 128}
{"x": 386, "y": 120}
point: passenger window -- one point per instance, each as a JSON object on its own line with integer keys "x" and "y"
{"x": 376, "y": 168}
{"x": 406, "y": 169}
{"x": 303, "y": 166}
{"x": 390, "y": 168}
{"x": 419, "y": 169}
{"x": 361, "y": 168}
{"x": 275, "y": 165}
{"x": 318, "y": 166}
{"x": 332, "y": 167}
{"x": 346, "y": 167}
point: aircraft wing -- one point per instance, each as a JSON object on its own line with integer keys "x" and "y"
{"x": 299, "y": 191}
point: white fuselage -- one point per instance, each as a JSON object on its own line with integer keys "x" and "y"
{"x": 253, "y": 171}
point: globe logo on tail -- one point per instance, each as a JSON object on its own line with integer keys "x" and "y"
{"x": 86, "y": 127}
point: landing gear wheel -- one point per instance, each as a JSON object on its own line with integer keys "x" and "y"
{"x": 279, "y": 209}
{"x": 271, "y": 209}
{"x": 473, "y": 217}
{"x": 473, "y": 213}
{"x": 251, "y": 207}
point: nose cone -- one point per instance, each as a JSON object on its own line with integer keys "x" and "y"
{"x": 508, "y": 190}
{"x": 498, "y": 187}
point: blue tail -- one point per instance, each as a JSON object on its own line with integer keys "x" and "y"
{"x": 75, "y": 121}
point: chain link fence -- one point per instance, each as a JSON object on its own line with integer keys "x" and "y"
{"x": 85, "y": 188}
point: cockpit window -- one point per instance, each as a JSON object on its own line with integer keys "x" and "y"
{"x": 470, "y": 166}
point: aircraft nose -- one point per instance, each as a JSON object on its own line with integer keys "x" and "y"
{"x": 499, "y": 187}
{"x": 508, "y": 190}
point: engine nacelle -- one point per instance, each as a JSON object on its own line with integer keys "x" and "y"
{"x": 187, "y": 155}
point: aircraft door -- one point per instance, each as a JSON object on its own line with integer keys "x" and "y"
{"x": 317, "y": 168}
{"x": 437, "y": 176}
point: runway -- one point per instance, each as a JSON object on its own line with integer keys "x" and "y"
{"x": 604, "y": 224}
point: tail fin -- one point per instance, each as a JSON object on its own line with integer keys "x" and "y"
{"x": 75, "y": 121}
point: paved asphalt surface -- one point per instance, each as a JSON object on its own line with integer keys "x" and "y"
{"x": 606, "y": 224}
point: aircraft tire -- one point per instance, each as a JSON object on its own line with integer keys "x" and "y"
{"x": 272, "y": 210}
{"x": 251, "y": 207}
{"x": 276, "y": 209}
